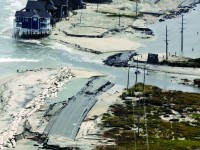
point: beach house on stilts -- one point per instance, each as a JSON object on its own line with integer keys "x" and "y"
{"x": 34, "y": 21}
{"x": 39, "y": 16}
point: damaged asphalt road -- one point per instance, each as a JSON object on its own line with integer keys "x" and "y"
{"x": 67, "y": 122}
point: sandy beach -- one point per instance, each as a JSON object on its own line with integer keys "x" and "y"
{"x": 24, "y": 97}
{"x": 101, "y": 31}
{"x": 93, "y": 31}
{"x": 110, "y": 28}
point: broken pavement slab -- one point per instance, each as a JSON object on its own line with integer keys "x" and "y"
{"x": 67, "y": 123}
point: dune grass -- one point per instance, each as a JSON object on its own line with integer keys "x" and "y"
{"x": 121, "y": 122}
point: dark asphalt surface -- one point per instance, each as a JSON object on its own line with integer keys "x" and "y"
{"x": 68, "y": 121}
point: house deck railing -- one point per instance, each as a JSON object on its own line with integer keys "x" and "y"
{"x": 24, "y": 31}
{"x": 45, "y": 21}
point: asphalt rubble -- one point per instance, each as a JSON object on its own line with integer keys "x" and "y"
{"x": 53, "y": 112}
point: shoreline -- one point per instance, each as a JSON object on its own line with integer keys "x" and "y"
{"x": 84, "y": 32}
{"x": 19, "y": 115}
{"x": 28, "y": 92}
{"x": 104, "y": 46}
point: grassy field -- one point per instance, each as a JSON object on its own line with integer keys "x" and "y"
{"x": 178, "y": 131}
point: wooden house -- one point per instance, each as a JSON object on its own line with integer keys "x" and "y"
{"x": 98, "y": 1}
{"x": 62, "y": 8}
{"x": 38, "y": 17}
{"x": 76, "y": 4}
{"x": 32, "y": 21}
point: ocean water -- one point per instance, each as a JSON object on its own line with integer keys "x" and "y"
{"x": 29, "y": 54}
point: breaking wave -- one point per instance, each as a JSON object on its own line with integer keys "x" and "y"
{"x": 31, "y": 41}
{"x": 4, "y": 60}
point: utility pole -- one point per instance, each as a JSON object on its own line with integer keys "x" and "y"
{"x": 68, "y": 14}
{"x": 119, "y": 20}
{"x": 136, "y": 8}
{"x": 147, "y": 135}
{"x": 144, "y": 78}
{"x": 166, "y": 44}
{"x": 128, "y": 77}
{"x": 182, "y": 34}
{"x": 135, "y": 141}
{"x": 145, "y": 114}
{"x": 136, "y": 73}
{"x": 139, "y": 116}
{"x": 135, "y": 138}
{"x": 80, "y": 17}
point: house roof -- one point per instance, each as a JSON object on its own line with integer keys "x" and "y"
{"x": 57, "y": 2}
{"x": 40, "y": 5}
{"x": 24, "y": 14}
{"x": 37, "y": 5}
{"x": 60, "y": 2}
{"x": 51, "y": 2}
{"x": 44, "y": 14}
{"x": 50, "y": 7}
{"x": 29, "y": 14}
{"x": 65, "y": 2}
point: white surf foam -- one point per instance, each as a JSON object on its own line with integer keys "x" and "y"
{"x": 77, "y": 55}
{"x": 5, "y": 60}
{"x": 9, "y": 9}
{"x": 31, "y": 41}
{"x": 60, "y": 46}
{"x": 5, "y": 37}
{"x": 2, "y": 31}
{"x": 17, "y": 5}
